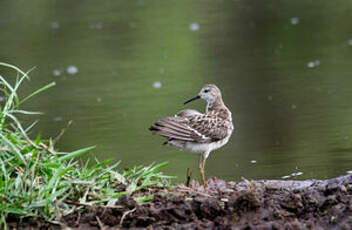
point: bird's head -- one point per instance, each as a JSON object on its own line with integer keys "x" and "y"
{"x": 209, "y": 92}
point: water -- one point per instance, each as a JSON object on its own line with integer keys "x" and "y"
{"x": 283, "y": 66}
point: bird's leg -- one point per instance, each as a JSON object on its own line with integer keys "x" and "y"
{"x": 200, "y": 164}
{"x": 204, "y": 178}
{"x": 201, "y": 170}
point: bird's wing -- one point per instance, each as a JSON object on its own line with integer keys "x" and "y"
{"x": 211, "y": 127}
{"x": 201, "y": 128}
{"x": 175, "y": 128}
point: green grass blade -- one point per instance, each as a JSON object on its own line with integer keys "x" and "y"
{"x": 15, "y": 68}
{"x": 36, "y": 180}
{"x": 13, "y": 148}
{"x": 75, "y": 154}
{"x": 37, "y": 92}
{"x": 158, "y": 167}
{"x": 26, "y": 112}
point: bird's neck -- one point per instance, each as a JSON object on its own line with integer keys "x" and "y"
{"x": 215, "y": 104}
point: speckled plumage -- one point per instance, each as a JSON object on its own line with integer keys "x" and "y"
{"x": 193, "y": 131}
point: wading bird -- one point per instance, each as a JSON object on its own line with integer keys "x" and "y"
{"x": 196, "y": 132}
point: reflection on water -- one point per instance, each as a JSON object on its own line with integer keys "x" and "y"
{"x": 283, "y": 66}
{"x": 294, "y": 21}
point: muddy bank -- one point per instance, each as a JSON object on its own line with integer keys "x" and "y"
{"x": 228, "y": 205}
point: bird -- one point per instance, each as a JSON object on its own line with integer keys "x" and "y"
{"x": 198, "y": 132}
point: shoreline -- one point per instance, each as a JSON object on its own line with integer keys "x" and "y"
{"x": 266, "y": 204}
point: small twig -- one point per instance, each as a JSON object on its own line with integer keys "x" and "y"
{"x": 76, "y": 203}
{"x": 78, "y": 219}
{"x": 47, "y": 148}
{"x": 5, "y": 150}
{"x": 88, "y": 205}
{"x": 63, "y": 131}
{"x": 193, "y": 191}
{"x": 20, "y": 169}
{"x": 101, "y": 225}
{"x": 94, "y": 195}
{"x": 30, "y": 141}
{"x": 125, "y": 214}
{"x": 188, "y": 177}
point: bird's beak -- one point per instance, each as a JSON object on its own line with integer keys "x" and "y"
{"x": 192, "y": 99}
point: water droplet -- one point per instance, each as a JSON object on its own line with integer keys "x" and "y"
{"x": 317, "y": 62}
{"x": 96, "y": 25}
{"x": 2, "y": 99}
{"x": 346, "y": 137}
{"x": 72, "y": 69}
{"x": 57, "y": 119}
{"x": 350, "y": 42}
{"x": 270, "y": 98}
{"x": 285, "y": 177}
{"x": 294, "y": 21}
{"x": 162, "y": 70}
{"x": 55, "y": 25}
{"x": 297, "y": 173}
{"x": 98, "y": 99}
{"x": 157, "y": 84}
{"x": 56, "y": 72}
{"x": 99, "y": 25}
{"x": 132, "y": 25}
{"x": 194, "y": 26}
{"x": 293, "y": 106}
{"x": 311, "y": 64}
{"x": 253, "y": 161}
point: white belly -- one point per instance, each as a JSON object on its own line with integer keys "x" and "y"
{"x": 205, "y": 147}
{"x": 199, "y": 147}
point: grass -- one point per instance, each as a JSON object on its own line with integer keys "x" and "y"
{"x": 38, "y": 181}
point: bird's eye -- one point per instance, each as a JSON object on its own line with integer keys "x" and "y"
{"x": 206, "y": 91}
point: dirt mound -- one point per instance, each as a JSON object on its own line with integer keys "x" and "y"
{"x": 245, "y": 205}
{"x": 224, "y": 205}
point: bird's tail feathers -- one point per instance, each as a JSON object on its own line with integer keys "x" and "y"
{"x": 167, "y": 127}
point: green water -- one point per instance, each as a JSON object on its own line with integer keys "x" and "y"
{"x": 284, "y": 68}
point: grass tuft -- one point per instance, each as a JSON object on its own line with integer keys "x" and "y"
{"x": 38, "y": 181}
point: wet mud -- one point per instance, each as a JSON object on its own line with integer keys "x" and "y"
{"x": 227, "y": 205}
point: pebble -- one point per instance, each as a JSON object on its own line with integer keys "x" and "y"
{"x": 57, "y": 119}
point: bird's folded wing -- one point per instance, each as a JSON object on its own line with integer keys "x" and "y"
{"x": 176, "y": 128}
{"x": 197, "y": 128}
{"x": 211, "y": 127}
